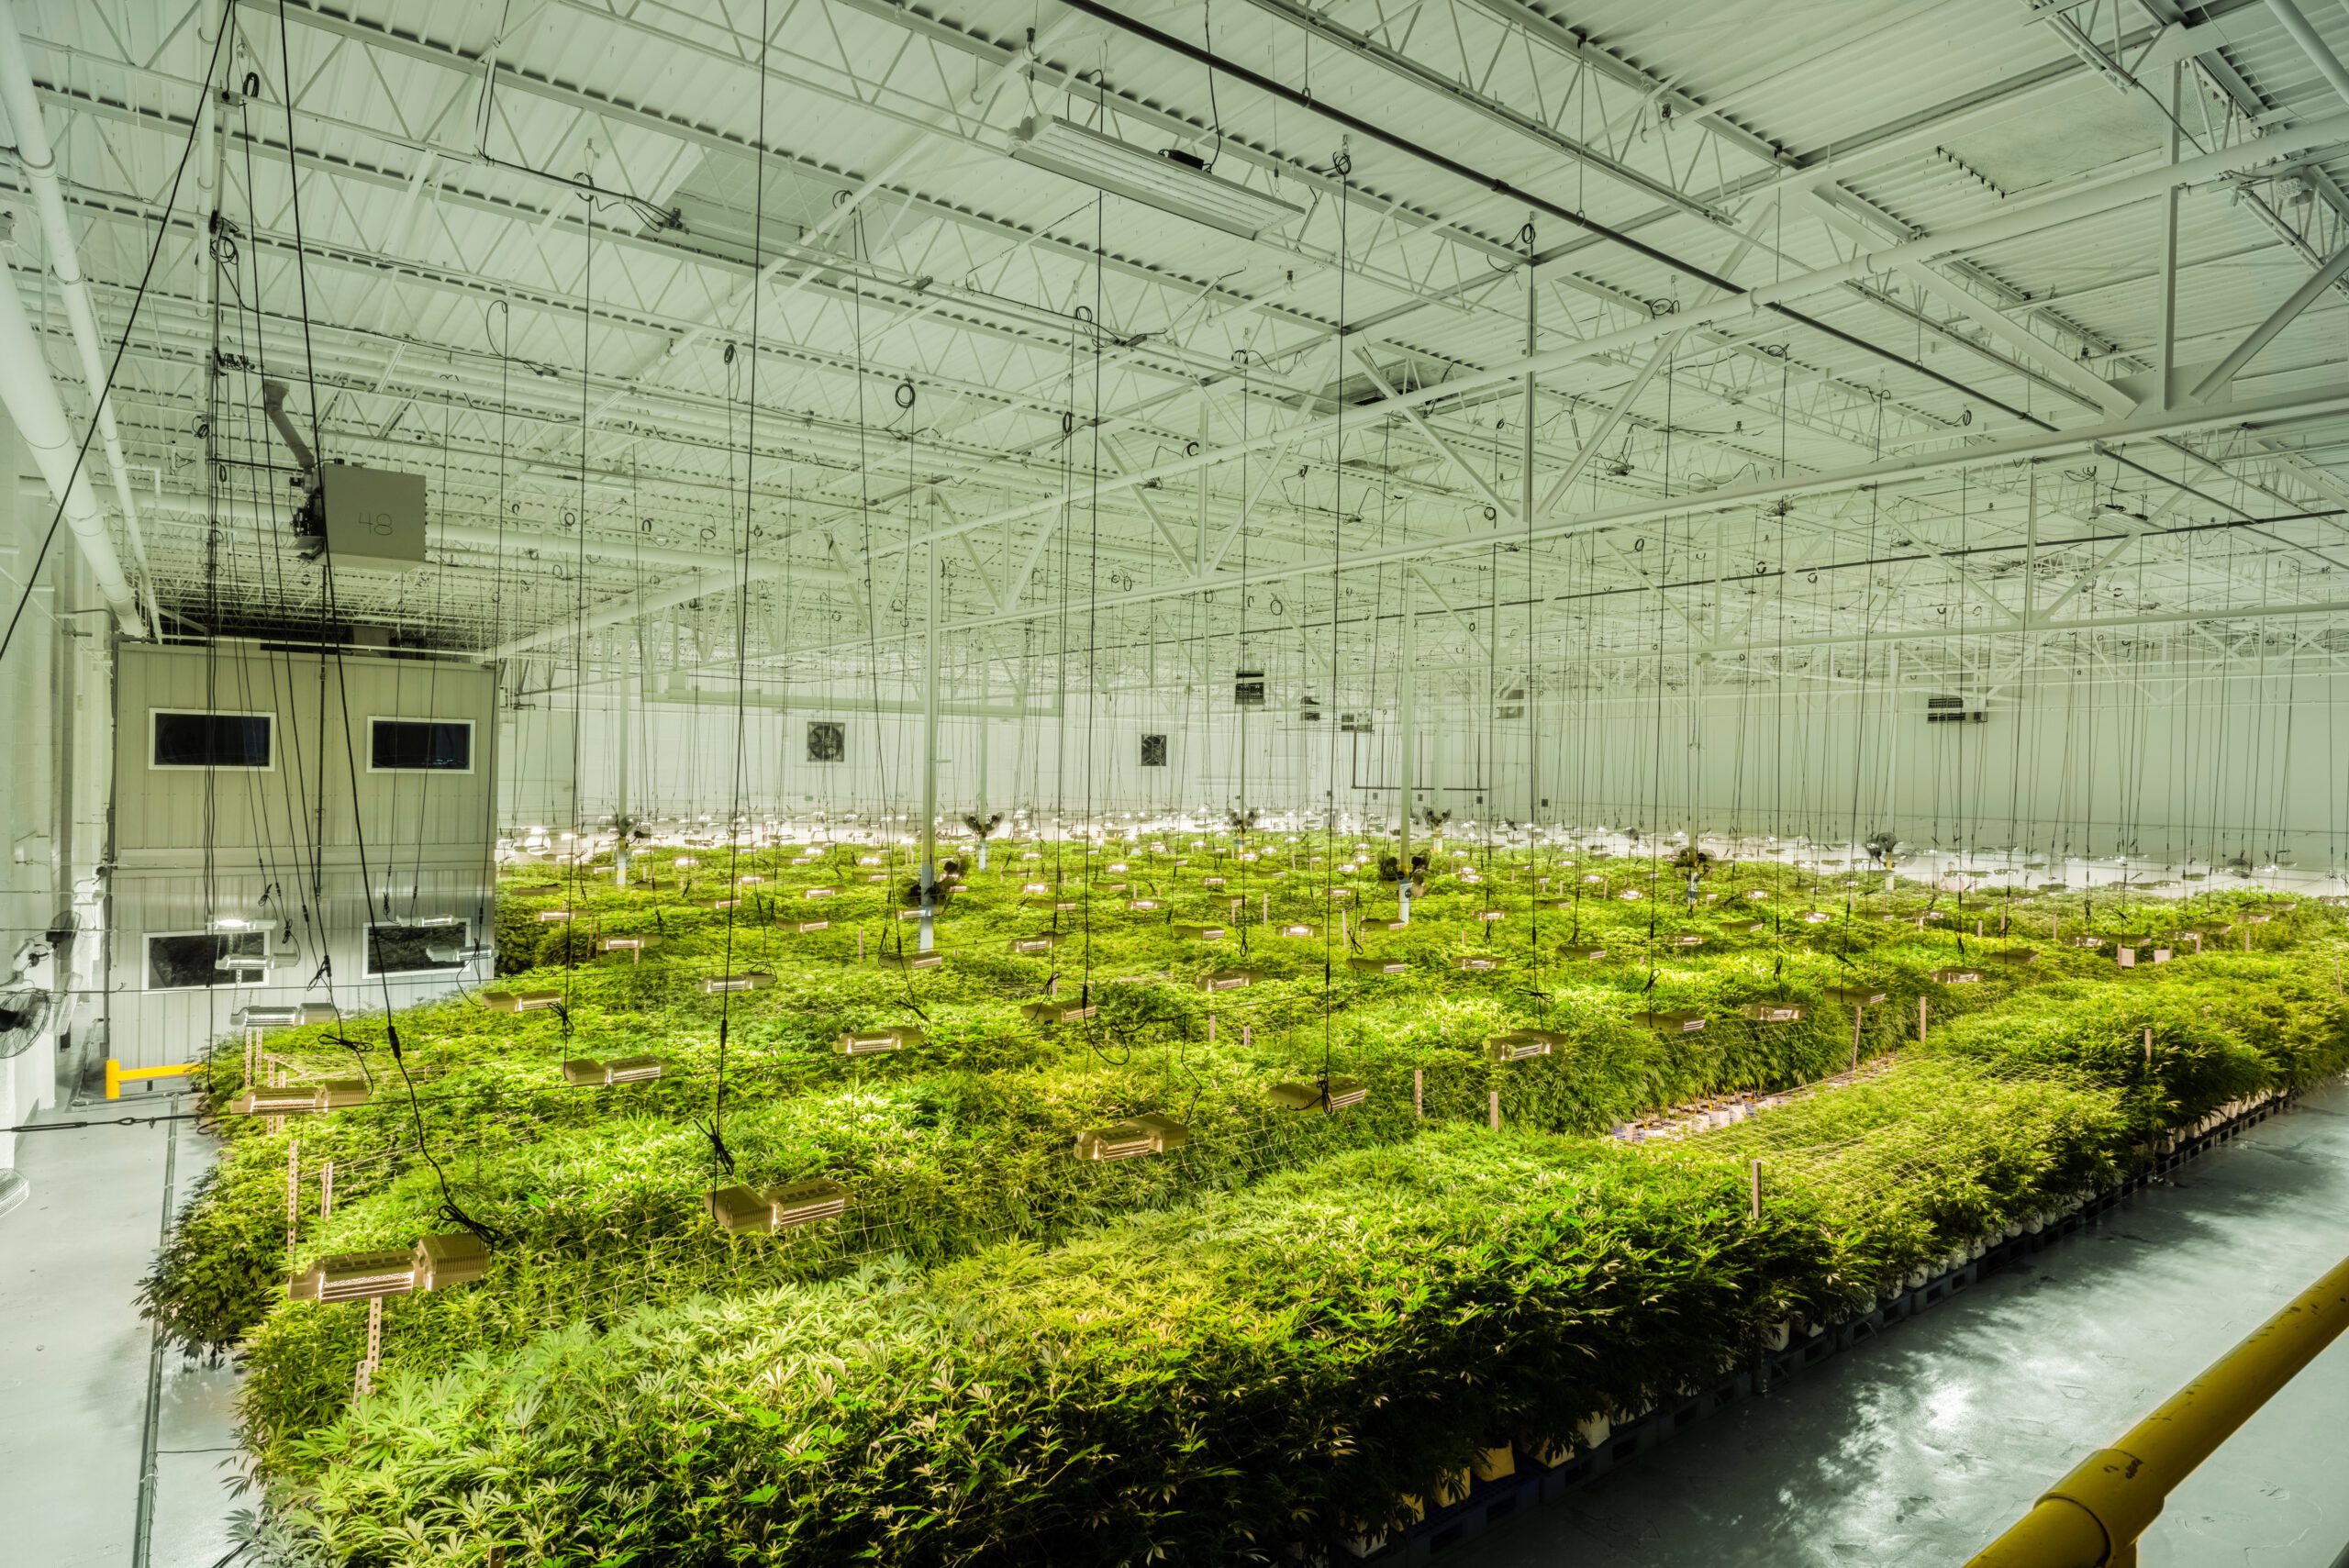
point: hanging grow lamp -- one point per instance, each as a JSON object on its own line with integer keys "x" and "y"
{"x": 869, "y": 1042}
{"x": 1378, "y": 966}
{"x": 1520, "y": 1045}
{"x": 1043, "y": 942}
{"x": 286, "y": 1018}
{"x": 520, "y": 1001}
{"x": 1228, "y": 979}
{"x": 436, "y": 1262}
{"x": 581, "y": 1073}
{"x": 301, "y": 1099}
{"x": 1575, "y": 950}
{"x": 1056, "y": 1013}
{"x": 747, "y": 1211}
{"x": 1150, "y": 1133}
{"x": 1332, "y": 1094}
{"x": 1199, "y": 933}
{"x": 1856, "y": 996}
{"x": 1772, "y": 1012}
{"x": 912, "y": 959}
{"x": 1674, "y": 1022}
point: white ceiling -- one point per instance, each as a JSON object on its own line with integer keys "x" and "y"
{"x": 1957, "y": 451}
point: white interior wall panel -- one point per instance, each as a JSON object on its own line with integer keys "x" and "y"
{"x": 194, "y": 844}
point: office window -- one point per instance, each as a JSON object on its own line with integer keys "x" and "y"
{"x": 420, "y": 745}
{"x": 417, "y": 949}
{"x": 211, "y": 740}
{"x": 826, "y": 741}
{"x": 191, "y": 961}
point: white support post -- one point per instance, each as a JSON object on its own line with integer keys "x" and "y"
{"x": 293, "y": 1192}
{"x": 930, "y": 752}
{"x": 620, "y": 820}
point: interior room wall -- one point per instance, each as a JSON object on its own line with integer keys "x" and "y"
{"x": 311, "y": 848}
{"x": 2179, "y": 765}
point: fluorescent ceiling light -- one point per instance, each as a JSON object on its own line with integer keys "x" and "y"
{"x": 1170, "y": 185}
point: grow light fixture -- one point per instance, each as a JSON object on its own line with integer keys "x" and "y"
{"x": 1043, "y": 942}
{"x": 242, "y": 962}
{"x": 1298, "y": 928}
{"x": 763, "y": 1211}
{"x": 1958, "y": 976}
{"x": 1331, "y": 1094}
{"x": 520, "y": 1001}
{"x": 684, "y": 862}
{"x": 2015, "y": 956}
{"x": 554, "y": 916}
{"x": 1816, "y": 917}
{"x": 1150, "y": 1133}
{"x": 1856, "y": 995}
{"x": 581, "y": 1073}
{"x": 1381, "y": 925}
{"x": 436, "y": 1262}
{"x": 301, "y": 1099}
{"x": 1476, "y": 962}
{"x": 1054, "y": 1013}
{"x": 1199, "y": 933}
{"x": 1520, "y": 1045}
{"x": 868, "y": 1042}
{"x": 1035, "y": 889}
{"x": 286, "y": 1018}
{"x": 232, "y": 923}
{"x": 1228, "y": 979}
{"x": 818, "y": 892}
{"x": 1689, "y": 939}
{"x": 911, "y": 959}
{"x": 1378, "y": 966}
{"x": 721, "y": 905}
{"x": 1581, "y": 951}
{"x": 1773, "y": 1012}
{"x": 1144, "y": 905}
{"x": 1212, "y": 881}
{"x": 626, "y": 944}
{"x": 1674, "y": 1022}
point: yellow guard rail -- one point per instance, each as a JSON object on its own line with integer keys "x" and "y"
{"x": 2092, "y": 1518}
{"x": 117, "y": 1074}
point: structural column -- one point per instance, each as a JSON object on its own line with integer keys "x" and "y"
{"x": 930, "y": 749}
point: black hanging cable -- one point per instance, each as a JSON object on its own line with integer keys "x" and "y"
{"x": 716, "y": 1128}
{"x": 450, "y": 1208}
{"x": 1343, "y": 167}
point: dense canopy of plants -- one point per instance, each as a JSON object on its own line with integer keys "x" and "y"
{"x": 1274, "y": 1333}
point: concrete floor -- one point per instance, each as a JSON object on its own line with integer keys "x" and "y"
{"x": 1920, "y": 1447}
{"x": 74, "y": 1357}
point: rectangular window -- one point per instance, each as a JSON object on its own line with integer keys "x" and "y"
{"x": 199, "y": 960}
{"x": 185, "y": 739}
{"x": 420, "y": 745}
{"x": 417, "y": 949}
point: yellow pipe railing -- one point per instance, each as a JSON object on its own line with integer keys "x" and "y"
{"x": 2092, "y": 1518}
{"x": 117, "y": 1074}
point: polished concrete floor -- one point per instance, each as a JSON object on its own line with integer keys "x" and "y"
{"x": 1920, "y": 1447}
{"x": 74, "y": 1358}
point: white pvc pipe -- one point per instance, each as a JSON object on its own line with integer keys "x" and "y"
{"x": 32, "y": 401}
{"x": 40, "y": 164}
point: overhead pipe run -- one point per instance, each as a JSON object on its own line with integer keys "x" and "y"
{"x": 35, "y": 156}
{"x": 32, "y": 401}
